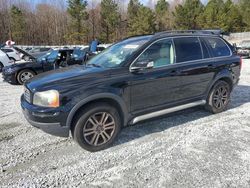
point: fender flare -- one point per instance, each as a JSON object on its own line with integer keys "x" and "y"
{"x": 99, "y": 96}
{"x": 222, "y": 75}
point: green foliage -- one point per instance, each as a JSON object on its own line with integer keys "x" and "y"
{"x": 162, "y": 15}
{"x": 244, "y": 8}
{"x": 213, "y": 14}
{"x": 110, "y": 18}
{"x": 17, "y": 24}
{"x": 141, "y": 19}
{"x": 78, "y": 14}
{"x": 188, "y": 15}
{"x": 144, "y": 22}
{"x": 133, "y": 8}
{"x": 232, "y": 20}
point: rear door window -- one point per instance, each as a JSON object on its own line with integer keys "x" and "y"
{"x": 204, "y": 49}
{"x": 218, "y": 47}
{"x": 187, "y": 49}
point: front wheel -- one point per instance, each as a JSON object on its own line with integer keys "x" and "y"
{"x": 219, "y": 97}
{"x": 24, "y": 76}
{"x": 96, "y": 127}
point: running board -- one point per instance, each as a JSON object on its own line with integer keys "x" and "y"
{"x": 167, "y": 111}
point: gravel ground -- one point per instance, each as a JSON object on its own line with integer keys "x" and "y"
{"x": 191, "y": 148}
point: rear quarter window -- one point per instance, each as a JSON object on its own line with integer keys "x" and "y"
{"x": 187, "y": 49}
{"x": 218, "y": 47}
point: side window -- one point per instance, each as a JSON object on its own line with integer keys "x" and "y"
{"x": 52, "y": 57}
{"x": 218, "y": 47}
{"x": 187, "y": 49}
{"x": 205, "y": 49}
{"x": 161, "y": 53}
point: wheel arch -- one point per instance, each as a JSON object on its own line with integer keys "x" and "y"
{"x": 111, "y": 99}
{"x": 224, "y": 77}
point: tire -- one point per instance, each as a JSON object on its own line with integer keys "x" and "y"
{"x": 219, "y": 97}
{"x": 24, "y": 76}
{"x": 89, "y": 132}
{"x": 1, "y": 67}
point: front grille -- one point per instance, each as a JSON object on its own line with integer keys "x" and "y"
{"x": 27, "y": 95}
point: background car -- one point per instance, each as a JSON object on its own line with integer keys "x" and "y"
{"x": 4, "y": 60}
{"x": 244, "y": 49}
{"x": 37, "y": 52}
{"x": 12, "y": 53}
{"x": 21, "y": 72}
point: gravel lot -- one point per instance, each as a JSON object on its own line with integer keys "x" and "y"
{"x": 191, "y": 148}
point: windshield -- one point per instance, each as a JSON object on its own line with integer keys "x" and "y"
{"x": 40, "y": 59}
{"x": 118, "y": 53}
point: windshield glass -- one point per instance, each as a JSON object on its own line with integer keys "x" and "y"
{"x": 118, "y": 53}
{"x": 40, "y": 59}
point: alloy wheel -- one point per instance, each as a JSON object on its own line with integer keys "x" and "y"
{"x": 99, "y": 128}
{"x": 26, "y": 76}
{"x": 220, "y": 97}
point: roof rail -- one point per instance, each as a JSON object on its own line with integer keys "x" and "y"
{"x": 208, "y": 32}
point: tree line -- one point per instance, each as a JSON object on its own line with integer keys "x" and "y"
{"x": 80, "y": 21}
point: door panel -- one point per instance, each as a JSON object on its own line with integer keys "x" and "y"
{"x": 196, "y": 78}
{"x": 157, "y": 86}
{"x": 154, "y": 88}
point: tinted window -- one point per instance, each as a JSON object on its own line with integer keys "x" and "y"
{"x": 161, "y": 53}
{"x": 205, "y": 49}
{"x": 218, "y": 47}
{"x": 187, "y": 49}
{"x": 52, "y": 57}
{"x": 78, "y": 54}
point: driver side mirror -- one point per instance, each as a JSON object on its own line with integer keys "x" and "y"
{"x": 142, "y": 65}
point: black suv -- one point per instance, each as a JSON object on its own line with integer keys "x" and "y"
{"x": 135, "y": 79}
{"x": 22, "y": 71}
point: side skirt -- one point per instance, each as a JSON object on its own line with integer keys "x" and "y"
{"x": 167, "y": 111}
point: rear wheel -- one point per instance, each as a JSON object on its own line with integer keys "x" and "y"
{"x": 24, "y": 76}
{"x": 219, "y": 97}
{"x": 96, "y": 127}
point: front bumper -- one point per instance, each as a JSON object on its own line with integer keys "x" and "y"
{"x": 48, "y": 120}
{"x": 9, "y": 77}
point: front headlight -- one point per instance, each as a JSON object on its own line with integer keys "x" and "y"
{"x": 46, "y": 98}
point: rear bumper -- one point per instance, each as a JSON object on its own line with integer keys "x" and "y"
{"x": 46, "y": 121}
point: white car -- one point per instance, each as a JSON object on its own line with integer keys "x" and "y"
{"x": 4, "y": 60}
{"x": 12, "y": 53}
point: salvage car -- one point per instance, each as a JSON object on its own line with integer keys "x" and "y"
{"x": 20, "y": 72}
{"x": 12, "y": 53}
{"x": 244, "y": 49}
{"x": 4, "y": 60}
{"x": 136, "y": 79}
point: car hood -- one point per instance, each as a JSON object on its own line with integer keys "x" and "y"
{"x": 20, "y": 64}
{"x": 61, "y": 78}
